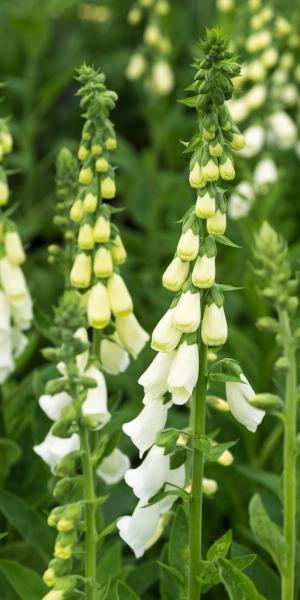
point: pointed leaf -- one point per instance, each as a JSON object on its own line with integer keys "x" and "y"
{"x": 25, "y": 582}
{"x": 267, "y": 533}
{"x": 237, "y": 584}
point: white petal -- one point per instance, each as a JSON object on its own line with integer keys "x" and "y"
{"x": 113, "y": 467}
{"x": 154, "y": 379}
{"x": 54, "y": 405}
{"x": 95, "y": 404}
{"x": 237, "y": 397}
{"x": 137, "y": 530}
{"x": 53, "y": 448}
{"x": 147, "y": 479}
{"x": 184, "y": 373}
{"x": 144, "y": 428}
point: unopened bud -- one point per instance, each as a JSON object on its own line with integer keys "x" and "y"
{"x": 265, "y": 401}
{"x": 267, "y": 324}
{"x": 282, "y": 363}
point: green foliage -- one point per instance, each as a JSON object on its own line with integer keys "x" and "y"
{"x": 25, "y": 582}
{"x": 267, "y": 533}
{"x": 237, "y": 584}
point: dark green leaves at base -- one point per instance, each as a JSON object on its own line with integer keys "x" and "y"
{"x": 237, "y": 584}
{"x": 267, "y": 533}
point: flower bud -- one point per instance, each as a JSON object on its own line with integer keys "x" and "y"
{"x": 214, "y": 326}
{"x": 205, "y": 206}
{"x": 165, "y": 336}
{"x": 96, "y": 148}
{"x": 136, "y": 67}
{"x": 102, "y": 165}
{"x": 90, "y": 202}
{"x": 162, "y": 78}
{"x": 216, "y": 225}
{"x": 134, "y": 16}
{"x": 118, "y": 251}
{"x": 76, "y": 212}
{"x": 210, "y": 171}
{"x": 162, "y": 7}
{"x": 152, "y": 35}
{"x": 49, "y": 577}
{"x": 103, "y": 264}
{"x": 175, "y": 274}
{"x": 267, "y": 324}
{"x": 226, "y": 459}
{"x": 14, "y": 248}
{"x": 226, "y": 169}
{"x": 237, "y": 142}
{"x": 131, "y": 334}
{"x": 196, "y": 178}
{"x": 110, "y": 143}
{"x": 85, "y": 175}
{"x": 83, "y": 152}
{"x": 4, "y": 193}
{"x": 81, "y": 272}
{"x": 218, "y": 403}
{"x": 204, "y": 272}
{"x": 13, "y": 280}
{"x": 108, "y": 188}
{"x": 102, "y": 230}
{"x": 209, "y": 486}
{"x": 6, "y": 142}
{"x": 54, "y": 595}
{"x": 188, "y": 245}
{"x": 98, "y": 308}
{"x": 85, "y": 237}
{"x": 187, "y": 313}
{"x": 119, "y": 297}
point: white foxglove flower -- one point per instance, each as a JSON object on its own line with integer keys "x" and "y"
{"x": 147, "y": 479}
{"x": 209, "y": 486}
{"x": 254, "y": 138}
{"x": 131, "y": 334}
{"x": 175, "y": 274}
{"x": 238, "y": 396}
{"x": 175, "y": 478}
{"x": 113, "y": 467}
{"x": 165, "y": 336}
{"x": 54, "y": 405}
{"x": 238, "y": 109}
{"x": 184, "y": 373}
{"x": 204, "y": 271}
{"x": 82, "y": 359}
{"x": 114, "y": 358}
{"x": 19, "y": 341}
{"x": 144, "y": 428}
{"x": 187, "y": 313}
{"x": 154, "y": 379}
{"x": 119, "y": 297}
{"x": 137, "y": 530}
{"x": 14, "y": 248}
{"x": 256, "y": 96}
{"x": 162, "y": 78}
{"x": 21, "y": 310}
{"x": 4, "y": 317}
{"x": 7, "y": 364}
{"x": 241, "y": 200}
{"x": 53, "y": 448}
{"x": 205, "y": 206}
{"x": 265, "y": 173}
{"x": 136, "y": 67}
{"x": 95, "y": 404}
{"x": 214, "y": 326}
{"x": 12, "y": 280}
{"x": 216, "y": 225}
{"x": 284, "y": 129}
{"x": 188, "y": 245}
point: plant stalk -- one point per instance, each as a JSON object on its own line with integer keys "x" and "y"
{"x": 289, "y": 462}
{"x": 90, "y": 517}
{"x": 195, "y": 509}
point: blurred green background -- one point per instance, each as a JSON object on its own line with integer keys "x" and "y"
{"x": 41, "y": 44}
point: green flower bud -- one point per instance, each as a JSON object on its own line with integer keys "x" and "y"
{"x": 267, "y": 324}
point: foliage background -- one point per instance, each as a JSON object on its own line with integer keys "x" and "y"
{"x": 41, "y": 43}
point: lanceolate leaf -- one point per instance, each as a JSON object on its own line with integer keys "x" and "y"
{"x": 267, "y": 533}
{"x": 25, "y": 582}
{"x": 124, "y": 592}
{"x": 237, "y": 584}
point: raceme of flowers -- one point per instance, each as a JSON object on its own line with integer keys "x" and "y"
{"x": 151, "y": 60}
{"x": 15, "y": 299}
{"x": 197, "y": 307}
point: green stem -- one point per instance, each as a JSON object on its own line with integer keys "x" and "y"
{"x": 90, "y": 520}
{"x": 195, "y": 511}
{"x": 290, "y": 458}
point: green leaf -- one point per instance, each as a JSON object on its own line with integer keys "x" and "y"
{"x": 242, "y": 562}
{"x": 270, "y": 481}
{"x": 228, "y": 288}
{"x": 110, "y": 562}
{"x": 124, "y": 592}
{"x": 10, "y": 453}
{"x": 29, "y": 524}
{"x": 191, "y": 101}
{"x": 223, "y": 377}
{"x": 223, "y": 239}
{"x": 220, "y": 547}
{"x": 267, "y": 533}
{"x": 237, "y": 584}
{"x": 211, "y": 452}
{"x": 178, "y": 544}
{"x": 168, "y": 587}
{"x": 178, "y": 576}
{"x": 25, "y": 582}
{"x": 179, "y": 492}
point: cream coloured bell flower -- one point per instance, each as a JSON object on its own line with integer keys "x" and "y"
{"x": 184, "y": 373}
{"x": 216, "y": 225}
{"x": 53, "y": 405}
{"x": 95, "y": 404}
{"x": 204, "y": 271}
{"x": 238, "y": 395}
{"x": 205, "y": 206}
{"x": 187, "y": 313}
{"x": 147, "y": 479}
{"x": 165, "y": 336}
{"x": 54, "y": 448}
{"x": 188, "y": 245}
{"x": 131, "y": 334}
{"x": 12, "y": 280}
{"x": 98, "y": 308}
{"x": 113, "y": 467}
{"x": 144, "y": 429}
{"x": 137, "y": 530}
{"x": 214, "y": 326}
{"x": 119, "y": 297}
{"x": 154, "y": 379}
{"x": 113, "y": 356}
{"x": 175, "y": 274}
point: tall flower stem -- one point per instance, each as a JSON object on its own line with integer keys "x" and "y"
{"x": 195, "y": 512}
{"x": 290, "y": 457}
{"x": 90, "y": 516}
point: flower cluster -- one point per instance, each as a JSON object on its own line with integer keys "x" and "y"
{"x": 271, "y": 62}
{"x": 183, "y": 333}
{"x": 151, "y": 59}
{"x": 100, "y": 250}
{"x": 15, "y": 299}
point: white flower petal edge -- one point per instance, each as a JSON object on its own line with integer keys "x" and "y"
{"x": 238, "y": 395}
{"x": 136, "y": 530}
{"x": 95, "y": 404}
{"x": 147, "y": 479}
{"x": 113, "y": 467}
{"x": 183, "y": 373}
{"x": 144, "y": 428}
{"x": 54, "y": 405}
{"x": 154, "y": 379}
{"x": 53, "y": 448}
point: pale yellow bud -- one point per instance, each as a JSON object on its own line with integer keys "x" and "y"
{"x": 134, "y": 16}
{"x": 76, "y": 212}
{"x": 204, "y": 272}
{"x": 4, "y": 193}
{"x": 110, "y": 143}
{"x": 188, "y": 245}
{"x": 162, "y": 8}
{"x": 108, "y": 188}
{"x": 216, "y": 225}
{"x": 226, "y": 169}
{"x": 136, "y": 67}
{"x": 6, "y": 142}
{"x": 119, "y": 297}
{"x": 14, "y": 248}
{"x": 196, "y": 178}
{"x": 238, "y": 141}
{"x": 83, "y": 152}
{"x": 152, "y": 35}
{"x": 13, "y": 280}
{"x": 118, "y": 251}
{"x": 210, "y": 171}
{"x": 85, "y": 175}
{"x": 225, "y": 5}
{"x": 86, "y": 237}
{"x": 175, "y": 274}
{"x": 269, "y": 57}
{"x": 62, "y": 552}
{"x": 96, "y": 149}
{"x": 226, "y": 459}
{"x": 81, "y": 272}
{"x": 98, "y": 308}
{"x": 256, "y": 71}
{"x": 90, "y": 203}
{"x": 283, "y": 27}
{"x": 218, "y": 403}
{"x": 146, "y": 3}
{"x": 205, "y": 206}
{"x": 54, "y": 595}
{"x": 209, "y": 486}
{"x": 102, "y": 165}
{"x": 65, "y": 525}
{"x": 214, "y": 326}
{"x": 49, "y": 578}
{"x": 102, "y": 230}
{"x": 103, "y": 264}
{"x": 211, "y": 356}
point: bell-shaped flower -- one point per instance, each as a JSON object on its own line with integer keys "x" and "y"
{"x": 85, "y": 239}
{"x": 241, "y": 200}
{"x": 118, "y": 251}
{"x": 81, "y": 272}
{"x": 188, "y": 245}
{"x": 18, "y": 340}
{"x": 210, "y": 171}
{"x": 162, "y": 78}
{"x": 265, "y": 173}
{"x": 216, "y": 225}
{"x": 103, "y": 264}
{"x": 226, "y": 169}
{"x": 205, "y": 206}
{"x": 14, "y": 248}
{"x": 187, "y": 313}
{"x": 254, "y": 138}
{"x": 98, "y": 308}
{"x": 21, "y": 310}
{"x": 137, "y": 530}
{"x": 95, "y": 404}
{"x": 238, "y": 396}
{"x": 175, "y": 479}
{"x": 4, "y": 317}
{"x": 131, "y": 334}
{"x": 54, "y": 405}
{"x": 108, "y": 188}
{"x": 102, "y": 230}
{"x": 154, "y": 379}
{"x": 147, "y": 479}
{"x": 12, "y": 280}
{"x": 136, "y": 67}
{"x": 196, "y": 178}
{"x": 214, "y": 326}
{"x": 119, "y": 297}
{"x": 114, "y": 358}
{"x": 165, "y": 336}
{"x": 53, "y": 448}
{"x": 204, "y": 271}
{"x": 256, "y": 96}
{"x": 113, "y": 467}
{"x": 7, "y": 364}
{"x": 144, "y": 428}
{"x": 184, "y": 373}
{"x": 175, "y": 274}
{"x": 283, "y": 129}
